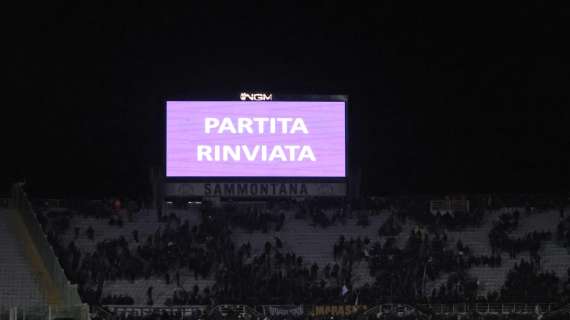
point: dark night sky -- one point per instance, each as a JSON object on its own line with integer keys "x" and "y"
{"x": 460, "y": 98}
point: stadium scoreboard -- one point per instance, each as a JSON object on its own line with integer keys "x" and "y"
{"x": 256, "y": 148}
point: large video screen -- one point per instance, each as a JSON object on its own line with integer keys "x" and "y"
{"x": 255, "y": 139}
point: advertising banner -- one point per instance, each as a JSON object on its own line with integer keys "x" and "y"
{"x": 255, "y": 189}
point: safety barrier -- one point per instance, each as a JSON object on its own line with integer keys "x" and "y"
{"x": 492, "y": 308}
{"x": 309, "y": 310}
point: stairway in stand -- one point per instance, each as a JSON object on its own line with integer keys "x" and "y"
{"x": 20, "y": 287}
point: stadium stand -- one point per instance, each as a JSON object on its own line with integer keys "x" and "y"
{"x": 292, "y": 253}
{"x": 312, "y": 242}
{"x": 20, "y": 286}
{"x": 58, "y": 297}
{"x": 316, "y": 244}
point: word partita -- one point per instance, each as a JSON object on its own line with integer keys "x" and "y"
{"x": 255, "y": 125}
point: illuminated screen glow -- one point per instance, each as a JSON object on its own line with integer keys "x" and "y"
{"x": 255, "y": 139}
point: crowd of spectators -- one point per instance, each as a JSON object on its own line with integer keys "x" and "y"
{"x": 206, "y": 250}
{"x": 173, "y": 247}
{"x": 563, "y": 231}
{"x": 279, "y": 276}
{"x": 418, "y": 209}
{"x": 353, "y": 250}
{"x": 186, "y": 297}
{"x": 485, "y": 260}
{"x": 390, "y": 228}
{"x": 566, "y": 288}
{"x": 457, "y": 220}
{"x": 526, "y": 283}
{"x": 117, "y": 300}
{"x": 404, "y": 272}
{"x": 501, "y": 241}
{"x": 276, "y": 276}
{"x": 255, "y": 218}
{"x": 395, "y": 315}
{"x": 324, "y": 214}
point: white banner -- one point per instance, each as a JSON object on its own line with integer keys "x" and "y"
{"x": 140, "y": 311}
{"x": 283, "y": 310}
{"x": 255, "y": 189}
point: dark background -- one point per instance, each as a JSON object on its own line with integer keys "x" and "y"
{"x": 443, "y": 97}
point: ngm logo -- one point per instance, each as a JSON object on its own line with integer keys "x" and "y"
{"x": 255, "y": 96}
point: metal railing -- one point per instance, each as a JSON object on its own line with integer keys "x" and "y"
{"x": 493, "y": 308}
{"x": 182, "y": 311}
{"x": 23, "y": 313}
{"x": 453, "y": 308}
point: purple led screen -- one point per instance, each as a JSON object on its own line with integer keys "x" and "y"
{"x": 255, "y": 139}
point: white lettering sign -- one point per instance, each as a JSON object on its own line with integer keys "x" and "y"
{"x": 255, "y": 126}
{"x": 255, "y": 96}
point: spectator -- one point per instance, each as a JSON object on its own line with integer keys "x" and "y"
{"x": 90, "y": 233}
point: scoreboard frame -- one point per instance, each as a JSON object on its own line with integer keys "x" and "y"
{"x": 268, "y": 179}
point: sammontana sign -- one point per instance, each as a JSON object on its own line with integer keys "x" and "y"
{"x": 255, "y": 189}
